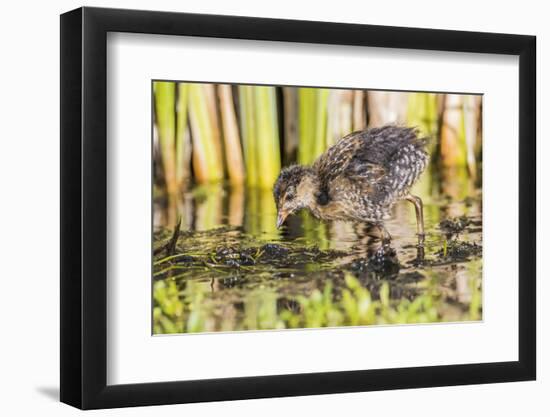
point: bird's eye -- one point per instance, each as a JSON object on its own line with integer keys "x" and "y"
{"x": 290, "y": 194}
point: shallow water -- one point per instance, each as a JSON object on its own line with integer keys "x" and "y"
{"x": 231, "y": 269}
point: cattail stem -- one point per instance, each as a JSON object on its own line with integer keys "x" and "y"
{"x": 248, "y": 131}
{"x": 306, "y": 112}
{"x": 470, "y": 132}
{"x": 232, "y": 142}
{"x": 207, "y": 162}
{"x": 312, "y": 110}
{"x": 345, "y": 112}
{"x": 267, "y": 136}
{"x": 165, "y": 101}
{"x": 183, "y": 139}
{"x": 319, "y": 144}
{"x": 453, "y": 144}
{"x": 290, "y": 109}
{"x": 386, "y": 107}
{"x": 211, "y": 101}
{"x": 359, "y": 113}
{"x": 422, "y": 112}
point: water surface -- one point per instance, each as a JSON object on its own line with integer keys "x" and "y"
{"x": 231, "y": 269}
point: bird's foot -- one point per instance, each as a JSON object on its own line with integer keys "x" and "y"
{"x": 385, "y": 236}
{"x": 420, "y": 247}
{"x": 420, "y": 253}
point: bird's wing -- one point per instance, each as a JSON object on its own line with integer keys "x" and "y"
{"x": 335, "y": 160}
{"x": 365, "y": 172}
{"x": 349, "y": 158}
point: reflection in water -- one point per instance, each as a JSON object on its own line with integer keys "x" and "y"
{"x": 235, "y": 214}
{"x": 233, "y": 270}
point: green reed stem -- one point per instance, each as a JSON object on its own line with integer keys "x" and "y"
{"x": 183, "y": 143}
{"x": 207, "y": 162}
{"x": 321, "y": 111}
{"x": 267, "y": 136}
{"x": 165, "y": 101}
{"x": 306, "y": 120}
{"x": 248, "y": 132}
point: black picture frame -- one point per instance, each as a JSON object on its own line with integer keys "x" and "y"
{"x": 84, "y": 207}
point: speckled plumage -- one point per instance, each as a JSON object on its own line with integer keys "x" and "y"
{"x": 359, "y": 178}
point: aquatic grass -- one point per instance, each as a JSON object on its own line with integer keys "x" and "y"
{"x": 198, "y": 312}
{"x": 475, "y": 284}
{"x": 260, "y": 311}
{"x": 355, "y": 307}
{"x": 475, "y": 307}
{"x": 357, "y": 302}
{"x": 168, "y": 269}
{"x": 317, "y": 310}
{"x": 169, "y": 258}
{"x": 168, "y": 310}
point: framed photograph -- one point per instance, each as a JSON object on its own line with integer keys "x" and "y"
{"x": 256, "y": 208}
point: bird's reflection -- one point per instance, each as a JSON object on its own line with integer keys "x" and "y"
{"x": 379, "y": 244}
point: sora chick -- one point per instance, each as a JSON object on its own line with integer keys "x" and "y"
{"x": 359, "y": 178}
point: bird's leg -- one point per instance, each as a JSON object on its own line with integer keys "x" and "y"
{"x": 385, "y": 235}
{"x": 420, "y": 253}
{"x": 418, "y": 206}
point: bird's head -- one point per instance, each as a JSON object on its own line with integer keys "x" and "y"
{"x": 293, "y": 190}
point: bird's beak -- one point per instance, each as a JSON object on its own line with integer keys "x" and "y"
{"x": 281, "y": 217}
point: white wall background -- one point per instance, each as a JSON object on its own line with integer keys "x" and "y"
{"x": 29, "y": 219}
